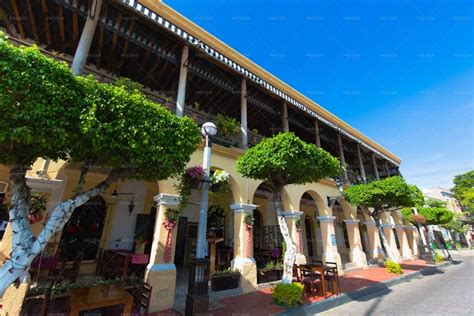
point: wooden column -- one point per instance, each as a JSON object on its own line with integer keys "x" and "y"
{"x": 316, "y": 129}
{"x": 387, "y": 169}
{"x": 286, "y": 125}
{"x": 361, "y": 164}
{"x": 376, "y": 170}
{"x": 341, "y": 155}
{"x": 243, "y": 113}
{"x": 183, "y": 75}
{"x": 87, "y": 35}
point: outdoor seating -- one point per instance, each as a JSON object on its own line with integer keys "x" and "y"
{"x": 332, "y": 277}
{"x": 64, "y": 273}
{"x": 311, "y": 281}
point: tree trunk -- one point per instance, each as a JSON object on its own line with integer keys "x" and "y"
{"x": 290, "y": 253}
{"x": 385, "y": 246}
{"x": 25, "y": 247}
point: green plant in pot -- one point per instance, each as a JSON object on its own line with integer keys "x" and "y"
{"x": 229, "y": 127}
{"x": 270, "y": 272}
{"x": 222, "y": 280}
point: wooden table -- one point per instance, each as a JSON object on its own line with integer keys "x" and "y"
{"x": 100, "y": 296}
{"x": 212, "y": 253}
{"x": 319, "y": 269}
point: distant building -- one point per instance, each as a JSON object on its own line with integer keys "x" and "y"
{"x": 444, "y": 195}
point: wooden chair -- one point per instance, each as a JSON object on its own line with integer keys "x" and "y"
{"x": 332, "y": 277}
{"x": 69, "y": 274}
{"x": 297, "y": 277}
{"x": 311, "y": 281}
{"x": 142, "y": 297}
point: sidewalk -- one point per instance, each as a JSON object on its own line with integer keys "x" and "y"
{"x": 260, "y": 302}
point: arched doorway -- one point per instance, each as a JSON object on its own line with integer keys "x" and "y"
{"x": 342, "y": 237}
{"x": 83, "y": 231}
{"x": 313, "y": 245}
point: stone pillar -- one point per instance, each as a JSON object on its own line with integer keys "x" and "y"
{"x": 405, "y": 251}
{"x": 387, "y": 169}
{"x": 356, "y": 254}
{"x": 243, "y": 247}
{"x": 341, "y": 156}
{"x": 286, "y": 125}
{"x": 87, "y": 35}
{"x": 183, "y": 75}
{"x": 361, "y": 164}
{"x": 388, "y": 232}
{"x": 316, "y": 129}
{"x": 328, "y": 234}
{"x": 375, "y": 245}
{"x": 413, "y": 239}
{"x": 291, "y": 217}
{"x": 161, "y": 271}
{"x": 376, "y": 169}
{"x": 243, "y": 113}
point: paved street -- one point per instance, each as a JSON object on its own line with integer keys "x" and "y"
{"x": 448, "y": 293}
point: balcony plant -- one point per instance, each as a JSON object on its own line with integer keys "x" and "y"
{"x": 229, "y": 128}
{"x": 225, "y": 280}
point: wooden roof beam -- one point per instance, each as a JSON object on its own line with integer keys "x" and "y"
{"x": 31, "y": 16}
{"x": 21, "y": 29}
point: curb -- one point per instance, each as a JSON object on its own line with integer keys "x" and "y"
{"x": 344, "y": 298}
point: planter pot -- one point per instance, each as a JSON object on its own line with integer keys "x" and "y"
{"x": 269, "y": 276}
{"x": 194, "y": 183}
{"x": 216, "y": 187}
{"x": 225, "y": 282}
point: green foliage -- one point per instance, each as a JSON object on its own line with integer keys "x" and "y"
{"x": 40, "y": 103}
{"x": 227, "y": 125}
{"x": 393, "y": 267}
{"x": 271, "y": 265}
{"x": 436, "y": 215}
{"x": 129, "y": 85}
{"x": 456, "y": 225}
{"x": 464, "y": 190}
{"x": 225, "y": 272}
{"x": 407, "y": 213}
{"x": 391, "y": 192}
{"x": 438, "y": 258}
{"x": 285, "y": 159}
{"x": 124, "y": 130}
{"x": 288, "y": 295}
{"x": 435, "y": 203}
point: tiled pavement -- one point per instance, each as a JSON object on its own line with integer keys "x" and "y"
{"x": 260, "y": 303}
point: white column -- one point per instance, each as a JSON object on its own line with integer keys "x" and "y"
{"x": 286, "y": 125}
{"x": 356, "y": 254}
{"x": 405, "y": 251}
{"x": 243, "y": 260}
{"x": 390, "y": 235}
{"x": 87, "y": 35}
{"x": 341, "y": 155}
{"x": 361, "y": 164}
{"x": 376, "y": 170}
{"x": 375, "y": 251}
{"x": 243, "y": 113}
{"x": 297, "y": 236}
{"x": 316, "y": 129}
{"x": 161, "y": 273}
{"x": 183, "y": 75}
{"x": 328, "y": 234}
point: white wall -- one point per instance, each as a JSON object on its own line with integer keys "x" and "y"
{"x": 123, "y": 226}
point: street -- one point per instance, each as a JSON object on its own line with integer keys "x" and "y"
{"x": 450, "y": 292}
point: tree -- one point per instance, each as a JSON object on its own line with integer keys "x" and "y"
{"x": 380, "y": 196}
{"x": 456, "y": 225}
{"x": 464, "y": 191}
{"x": 46, "y": 112}
{"x": 436, "y": 215}
{"x": 282, "y": 160}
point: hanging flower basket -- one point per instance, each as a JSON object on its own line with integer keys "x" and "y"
{"x": 194, "y": 176}
{"x": 299, "y": 226}
{"x": 219, "y": 181}
{"x": 35, "y": 218}
{"x": 249, "y": 220}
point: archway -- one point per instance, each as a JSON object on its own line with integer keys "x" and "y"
{"x": 363, "y": 231}
{"x": 313, "y": 246}
{"x": 342, "y": 237}
{"x": 83, "y": 231}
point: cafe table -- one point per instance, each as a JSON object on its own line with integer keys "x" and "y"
{"x": 100, "y": 296}
{"x": 316, "y": 268}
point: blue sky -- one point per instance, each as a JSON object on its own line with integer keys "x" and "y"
{"x": 401, "y": 72}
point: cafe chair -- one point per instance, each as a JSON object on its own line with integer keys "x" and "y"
{"x": 297, "y": 273}
{"x": 332, "y": 277}
{"x": 311, "y": 281}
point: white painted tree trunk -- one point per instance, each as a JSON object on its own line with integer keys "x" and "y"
{"x": 25, "y": 247}
{"x": 290, "y": 253}
{"x": 388, "y": 253}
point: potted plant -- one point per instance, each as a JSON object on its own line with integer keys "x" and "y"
{"x": 229, "y": 127}
{"x": 272, "y": 271}
{"x": 38, "y": 204}
{"x": 225, "y": 280}
{"x": 219, "y": 181}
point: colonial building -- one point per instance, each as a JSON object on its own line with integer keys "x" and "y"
{"x": 191, "y": 72}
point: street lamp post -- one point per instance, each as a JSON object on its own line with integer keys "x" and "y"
{"x": 197, "y": 300}
{"x": 208, "y": 130}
